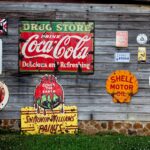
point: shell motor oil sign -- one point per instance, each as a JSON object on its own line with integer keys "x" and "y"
{"x": 49, "y": 115}
{"x": 122, "y": 84}
{"x": 55, "y": 46}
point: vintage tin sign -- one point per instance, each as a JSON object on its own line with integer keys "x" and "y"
{"x": 56, "y": 46}
{"x": 142, "y": 54}
{"x": 3, "y": 26}
{"x": 48, "y": 93}
{"x": 121, "y": 38}
{"x": 53, "y": 122}
{"x": 4, "y": 95}
{"x": 122, "y": 57}
{"x": 122, "y": 84}
{"x": 1, "y": 56}
{"x": 142, "y": 39}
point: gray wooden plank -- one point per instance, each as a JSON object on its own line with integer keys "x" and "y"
{"x": 138, "y": 116}
{"x": 10, "y": 114}
{"x": 107, "y": 8}
{"x": 109, "y": 116}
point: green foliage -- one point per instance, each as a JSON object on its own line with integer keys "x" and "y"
{"x": 15, "y": 141}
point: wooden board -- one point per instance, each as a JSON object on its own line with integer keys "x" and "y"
{"x": 86, "y": 92}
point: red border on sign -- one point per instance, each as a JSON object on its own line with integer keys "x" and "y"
{"x": 61, "y": 52}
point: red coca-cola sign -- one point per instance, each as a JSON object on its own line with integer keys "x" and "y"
{"x": 56, "y": 47}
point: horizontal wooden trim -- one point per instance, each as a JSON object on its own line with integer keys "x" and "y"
{"x": 88, "y": 1}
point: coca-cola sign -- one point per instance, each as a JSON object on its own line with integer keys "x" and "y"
{"x": 46, "y": 46}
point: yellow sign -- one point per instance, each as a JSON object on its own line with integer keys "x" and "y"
{"x": 53, "y": 122}
{"x": 122, "y": 84}
{"x": 142, "y": 54}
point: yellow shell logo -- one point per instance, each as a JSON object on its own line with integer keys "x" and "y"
{"x": 122, "y": 84}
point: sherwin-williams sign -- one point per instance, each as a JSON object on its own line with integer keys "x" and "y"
{"x": 49, "y": 115}
{"x": 57, "y": 46}
{"x": 53, "y": 122}
{"x": 122, "y": 84}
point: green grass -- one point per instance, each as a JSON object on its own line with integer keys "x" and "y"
{"x": 15, "y": 141}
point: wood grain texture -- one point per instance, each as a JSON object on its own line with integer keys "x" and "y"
{"x": 85, "y": 91}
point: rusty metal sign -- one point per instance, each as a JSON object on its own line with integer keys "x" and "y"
{"x": 56, "y": 46}
{"x": 53, "y": 122}
{"x": 48, "y": 94}
{"x": 49, "y": 114}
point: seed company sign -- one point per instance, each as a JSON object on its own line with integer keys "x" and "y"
{"x": 53, "y": 122}
{"x": 121, "y": 84}
{"x": 57, "y": 46}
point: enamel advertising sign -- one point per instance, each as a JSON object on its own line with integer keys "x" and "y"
{"x": 122, "y": 57}
{"x": 4, "y": 95}
{"x": 3, "y": 26}
{"x": 56, "y": 46}
{"x": 141, "y": 54}
{"x": 122, "y": 84}
{"x": 121, "y": 38}
{"x": 48, "y": 93}
{"x": 53, "y": 122}
{"x": 49, "y": 114}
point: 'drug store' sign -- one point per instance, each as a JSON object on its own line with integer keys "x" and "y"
{"x": 122, "y": 84}
{"x": 49, "y": 115}
{"x": 56, "y": 46}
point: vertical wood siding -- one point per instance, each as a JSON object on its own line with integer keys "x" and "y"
{"x": 85, "y": 91}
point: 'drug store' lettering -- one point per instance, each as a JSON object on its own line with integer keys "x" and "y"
{"x": 56, "y": 46}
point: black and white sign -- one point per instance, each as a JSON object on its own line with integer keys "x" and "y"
{"x": 122, "y": 57}
{"x": 142, "y": 39}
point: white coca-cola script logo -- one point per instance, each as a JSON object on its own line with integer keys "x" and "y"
{"x": 46, "y": 49}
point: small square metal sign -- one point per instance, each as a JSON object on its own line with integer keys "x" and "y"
{"x": 122, "y": 57}
{"x": 121, "y": 38}
{"x": 3, "y": 26}
{"x": 141, "y": 54}
{"x": 56, "y": 46}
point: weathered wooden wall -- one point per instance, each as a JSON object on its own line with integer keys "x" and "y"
{"x": 85, "y": 91}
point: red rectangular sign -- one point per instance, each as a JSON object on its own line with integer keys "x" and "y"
{"x": 56, "y": 47}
